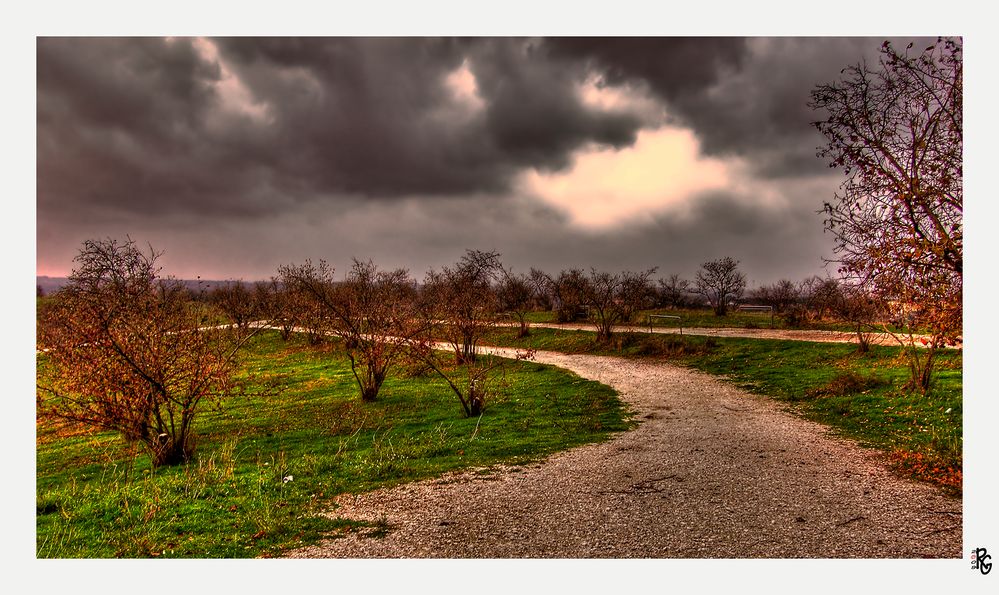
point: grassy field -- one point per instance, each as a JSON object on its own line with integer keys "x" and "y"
{"x": 862, "y": 396}
{"x": 704, "y": 317}
{"x": 267, "y": 464}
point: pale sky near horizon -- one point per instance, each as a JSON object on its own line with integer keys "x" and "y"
{"x": 234, "y": 156}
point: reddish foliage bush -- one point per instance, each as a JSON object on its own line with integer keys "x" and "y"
{"x": 928, "y": 468}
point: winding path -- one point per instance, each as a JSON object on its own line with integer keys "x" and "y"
{"x": 817, "y": 336}
{"x": 710, "y": 472}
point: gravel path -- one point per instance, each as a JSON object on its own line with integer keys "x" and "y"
{"x": 710, "y": 472}
{"x": 747, "y": 333}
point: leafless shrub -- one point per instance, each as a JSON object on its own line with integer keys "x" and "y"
{"x": 372, "y": 311}
{"x": 459, "y": 302}
{"x": 673, "y": 291}
{"x": 515, "y": 296}
{"x": 613, "y": 299}
{"x": 125, "y": 351}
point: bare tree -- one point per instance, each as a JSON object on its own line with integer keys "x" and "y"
{"x": 613, "y": 299}
{"x": 515, "y": 296}
{"x": 569, "y": 292}
{"x": 125, "y": 351}
{"x": 461, "y": 302}
{"x": 236, "y": 302}
{"x": 820, "y": 296}
{"x": 308, "y": 313}
{"x": 541, "y": 287}
{"x": 472, "y": 381}
{"x": 897, "y": 132}
{"x": 720, "y": 281}
{"x": 673, "y": 291}
{"x": 636, "y": 293}
{"x": 853, "y": 304}
{"x": 918, "y": 306}
{"x": 599, "y": 294}
{"x": 373, "y": 312}
{"x": 276, "y": 306}
{"x": 780, "y": 296}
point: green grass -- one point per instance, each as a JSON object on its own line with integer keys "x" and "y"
{"x": 862, "y": 396}
{"x": 705, "y": 318}
{"x": 267, "y": 464}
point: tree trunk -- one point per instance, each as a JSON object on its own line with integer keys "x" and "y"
{"x": 926, "y": 377}
{"x": 467, "y": 353}
{"x": 921, "y": 370}
{"x": 371, "y": 382}
{"x": 524, "y": 330}
{"x": 474, "y": 404}
{"x": 863, "y": 340}
{"x": 369, "y": 393}
{"x": 165, "y": 451}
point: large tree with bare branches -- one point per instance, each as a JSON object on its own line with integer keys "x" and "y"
{"x": 124, "y": 350}
{"x": 897, "y": 132}
{"x": 720, "y": 281}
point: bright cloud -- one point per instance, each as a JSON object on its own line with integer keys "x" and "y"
{"x": 605, "y": 188}
{"x": 235, "y": 96}
{"x": 464, "y": 88}
{"x": 626, "y": 98}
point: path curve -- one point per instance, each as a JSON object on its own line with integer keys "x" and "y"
{"x": 710, "y": 472}
{"x": 817, "y": 336}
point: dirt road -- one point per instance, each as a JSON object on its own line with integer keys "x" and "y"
{"x": 710, "y": 472}
{"x": 747, "y": 333}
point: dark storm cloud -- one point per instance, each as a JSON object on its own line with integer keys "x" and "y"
{"x": 761, "y": 113}
{"x": 742, "y": 97}
{"x": 533, "y": 113}
{"x": 142, "y": 125}
{"x": 364, "y": 116}
{"x": 362, "y": 146}
{"x": 375, "y": 116}
{"x": 126, "y": 124}
{"x": 673, "y": 67}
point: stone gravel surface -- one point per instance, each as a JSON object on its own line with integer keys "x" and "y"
{"x": 710, "y": 471}
{"x": 817, "y": 336}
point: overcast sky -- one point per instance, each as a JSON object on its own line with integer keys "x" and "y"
{"x": 234, "y": 156}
